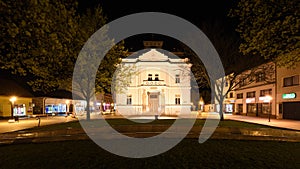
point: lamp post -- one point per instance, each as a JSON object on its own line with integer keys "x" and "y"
{"x": 67, "y": 102}
{"x": 268, "y": 99}
{"x": 12, "y": 100}
{"x": 201, "y": 105}
{"x": 111, "y": 107}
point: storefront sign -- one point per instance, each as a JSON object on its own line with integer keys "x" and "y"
{"x": 250, "y": 100}
{"x": 289, "y": 95}
{"x": 265, "y": 99}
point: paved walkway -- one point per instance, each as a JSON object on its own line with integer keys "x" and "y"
{"x": 282, "y": 123}
{"x": 25, "y": 123}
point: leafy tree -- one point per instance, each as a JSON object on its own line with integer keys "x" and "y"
{"x": 269, "y": 29}
{"x": 42, "y": 39}
{"x": 226, "y": 44}
{"x": 87, "y": 83}
{"x": 37, "y": 40}
{"x": 233, "y": 81}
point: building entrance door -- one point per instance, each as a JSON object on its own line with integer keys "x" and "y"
{"x": 153, "y": 103}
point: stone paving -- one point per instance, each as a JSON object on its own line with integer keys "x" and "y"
{"x": 281, "y": 123}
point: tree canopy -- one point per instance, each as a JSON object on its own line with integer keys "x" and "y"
{"x": 42, "y": 39}
{"x": 269, "y": 29}
{"x": 38, "y": 40}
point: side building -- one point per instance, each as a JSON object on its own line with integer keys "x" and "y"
{"x": 250, "y": 93}
{"x": 15, "y": 99}
{"x": 267, "y": 90}
{"x": 288, "y": 92}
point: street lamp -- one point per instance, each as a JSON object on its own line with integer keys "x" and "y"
{"x": 12, "y": 100}
{"x": 67, "y": 102}
{"x": 104, "y": 106}
{"x": 268, "y": 99}
{"x": 112, "y": 107}
{"x": 201, "y": 104}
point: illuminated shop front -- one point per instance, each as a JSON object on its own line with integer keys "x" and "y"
{"x": 19, "y": 110}
{"x": 56, "y": 108}
{"x": 229, "y": 108}
{"x": 20, "y": 106}
{"x": 63, "y": 106}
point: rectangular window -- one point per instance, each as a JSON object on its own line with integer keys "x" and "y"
{"x": 251, "y": 108}
{"x": 226, "y": 83}
{"x": 240, "y": 108}
{"x": 291, "y": 81}
{"x": 239, "y": 95}
{"x": 177, "y": 79}
{"x": 129, "y": 99}
{"x": 260, "y": 77}
{"x": 156, "y": 77}
{"x": 266, "y": 92}
{"x": 231, "y": 95}
{"x": 242, "y": 82}
{"x": 177, "y": 99}
{"x": 250, "y": 94}
{"x": 149, "y": 77}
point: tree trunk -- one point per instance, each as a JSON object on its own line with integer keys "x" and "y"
{"x": 88, "y": 115}
{"x": 221, "y": 109}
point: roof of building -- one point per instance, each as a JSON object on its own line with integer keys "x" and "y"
{"x": 9, "y": 87}
{"x": 172, "y": 55}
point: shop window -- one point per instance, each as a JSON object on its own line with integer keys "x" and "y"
{"x": 291, "y": 81}
{"x": 266, "y": 108}
{"x": 177, "y": 99}
{"x": 19, "y": 110}
{"x": 240, "y": 108}
{"x": 129, "y": 99}
{"x": 251, "y": 108}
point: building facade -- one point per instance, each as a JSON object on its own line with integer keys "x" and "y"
{"x": 19, "y": 106}
{"x": 266, "y": 91}
{"x": 256, "y": 92}
{"x": 161, "y": 85}
{"x": 252, "y": 92}
{"x": 288, "y": 92}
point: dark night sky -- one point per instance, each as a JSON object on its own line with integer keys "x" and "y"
{"x": 197, "y": 12}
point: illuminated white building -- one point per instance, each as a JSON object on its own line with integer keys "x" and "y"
{"x": 161, "y": 86}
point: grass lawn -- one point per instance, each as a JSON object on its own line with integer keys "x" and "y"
{"x": 165, "y": 122}
{"x": 187, "y": 154}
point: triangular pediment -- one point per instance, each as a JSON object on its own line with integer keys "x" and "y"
{"x": 153, "y": 55}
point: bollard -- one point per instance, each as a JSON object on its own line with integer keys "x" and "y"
{"x": 39, "y": 123}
